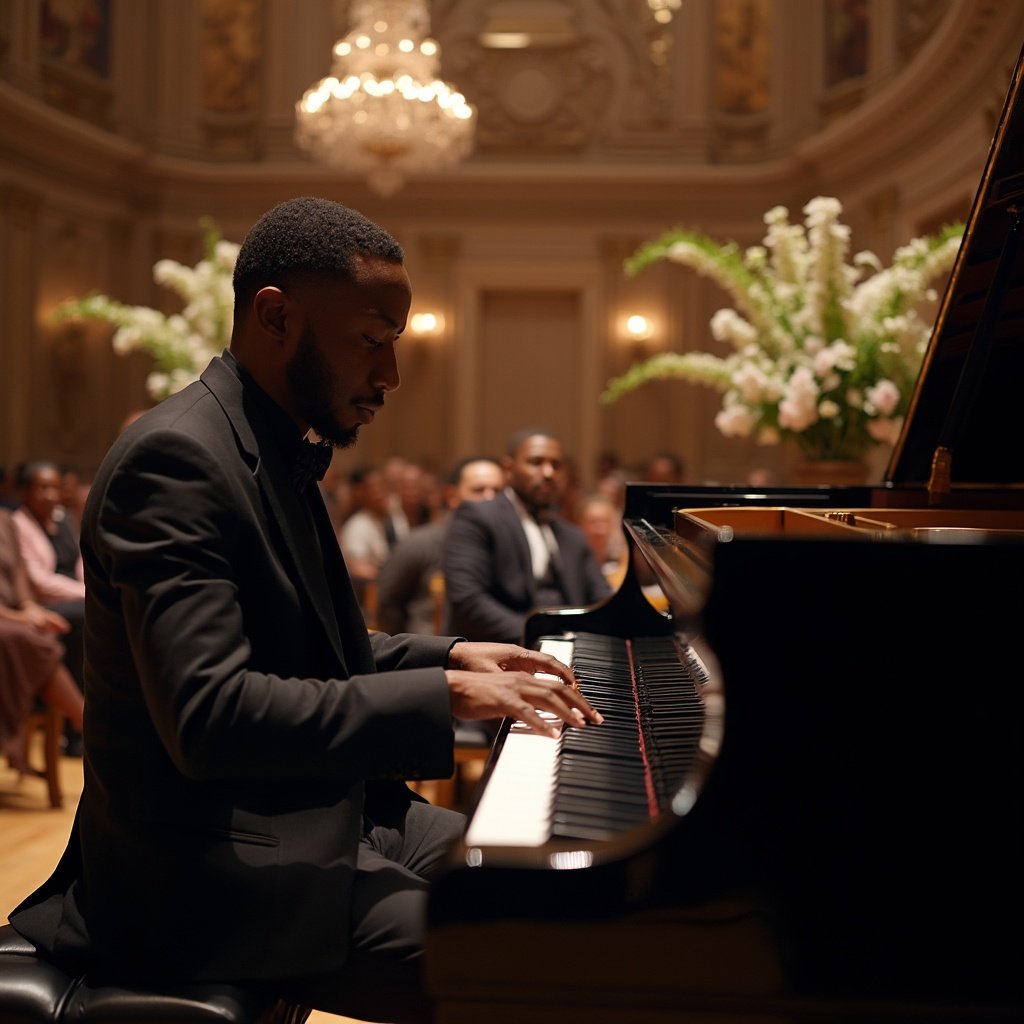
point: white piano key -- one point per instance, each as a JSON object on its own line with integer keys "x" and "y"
{"x": 515, "y": 807}
{"x": 560, "y": 649}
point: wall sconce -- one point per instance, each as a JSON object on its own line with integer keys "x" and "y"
{"x": 426, "y": 325}
{"x": 638, "y": 328}
{"x": 636, "y": 332}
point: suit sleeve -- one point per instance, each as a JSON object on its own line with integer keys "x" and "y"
{"x": 470, "y": 565}
{"x": 183, "y": 562}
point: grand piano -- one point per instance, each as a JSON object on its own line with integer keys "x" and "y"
{"x": 806, "y": 802}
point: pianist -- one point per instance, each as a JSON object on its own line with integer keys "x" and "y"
{"x": 243, "y": 817}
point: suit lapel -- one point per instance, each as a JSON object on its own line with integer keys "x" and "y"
{"x": 286, "y": 505}
{"x": 355, "y": 638}
{"x": 515, "y": 530}
{"x": 566, "y": 567}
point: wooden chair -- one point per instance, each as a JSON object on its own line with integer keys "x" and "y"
{"x": 50, "y": 722}
{"x": 437, "y": 599}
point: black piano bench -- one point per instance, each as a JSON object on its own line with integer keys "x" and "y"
{"x": 34, "y": 991}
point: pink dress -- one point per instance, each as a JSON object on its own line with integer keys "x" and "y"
{"x": 28, "y": 656}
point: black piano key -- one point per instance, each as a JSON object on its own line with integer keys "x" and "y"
{"x": 653, "y": 722}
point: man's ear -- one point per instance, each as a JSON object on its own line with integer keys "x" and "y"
{"x": 271, "y": 308}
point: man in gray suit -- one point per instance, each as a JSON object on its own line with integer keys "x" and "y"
{"x": 506, "y": 557}
{"x": 244, "y": 817}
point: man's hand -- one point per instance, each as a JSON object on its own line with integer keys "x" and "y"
{"x": 494, "y": 680}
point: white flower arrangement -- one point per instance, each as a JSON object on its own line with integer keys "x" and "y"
{"x": 822, "y": 355}
{"x": 181, "y": 344}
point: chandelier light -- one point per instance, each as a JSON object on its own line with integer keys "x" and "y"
{"x": 382, "y": 111}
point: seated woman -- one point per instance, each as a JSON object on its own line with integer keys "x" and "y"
{"x": 49, "y": 542}
{"x": 31, "y": 655}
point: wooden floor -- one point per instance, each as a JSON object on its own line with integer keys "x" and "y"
{"x": 33, "y": 836}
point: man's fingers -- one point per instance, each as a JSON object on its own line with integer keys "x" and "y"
{"x": 568, "y": 703}
{"x": 548, "y": 725}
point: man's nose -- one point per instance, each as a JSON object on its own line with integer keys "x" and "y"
{"x": 385, "y": 372}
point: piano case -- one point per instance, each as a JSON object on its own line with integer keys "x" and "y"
{"x": 852, "y": 843}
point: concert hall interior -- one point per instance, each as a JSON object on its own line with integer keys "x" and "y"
{"x": 128, "y": 128}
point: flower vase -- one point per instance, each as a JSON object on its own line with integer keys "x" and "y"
{"x": 810, "y": 472}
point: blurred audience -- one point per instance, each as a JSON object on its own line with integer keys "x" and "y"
{"x": 406, "y": 600}
{"x": 48, "y": 545}
{"x": 31, "y": 655}
{"x": 613, "y": 486}
{"x": 410, "y": 501}
{"x": 601, "y": 523}
{"x": 366, "y": 535}
{"x": 665, "y": 467}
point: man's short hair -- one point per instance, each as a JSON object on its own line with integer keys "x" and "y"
{"x": 28, "y": 471}
{"x": 455, "y": 474}
{"x": 307, "y": 236}
{"x": 516, "y": 439}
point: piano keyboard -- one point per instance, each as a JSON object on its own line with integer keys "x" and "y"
{"x": 594, "y": 782}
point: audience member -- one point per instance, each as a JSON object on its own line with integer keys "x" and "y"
{"x": 613, "y": 486}
{"x": 601, "y": 522}
{"x": 242, "y": 817}
{"x": 665, "y": 468}
{"x": 504, "y": 558}
{"x": 405, "y": 600}
{"x": 761, "y": 476}
{"x": 50, "y": 550}
{"x": 49, "y": 545}
{"x": 367, "y": 533}
{"x": 31, "y": 655}
{"x": 411, "y": 505}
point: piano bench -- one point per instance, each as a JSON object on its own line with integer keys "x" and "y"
{"x": 35, "y": 991}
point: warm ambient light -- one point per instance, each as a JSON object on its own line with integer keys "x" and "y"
{"x": 638, "y": 328}
{"x": 426, "y": 325}
{"x": 383, "y": 111}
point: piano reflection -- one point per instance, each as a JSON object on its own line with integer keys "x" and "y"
{"x": 805, "y": 804}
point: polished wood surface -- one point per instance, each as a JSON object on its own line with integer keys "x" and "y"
{"x": 33, "y": 835}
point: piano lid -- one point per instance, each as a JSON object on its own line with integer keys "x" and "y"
{"x": 964, "y": 425}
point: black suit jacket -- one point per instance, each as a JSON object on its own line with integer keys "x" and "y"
{"x": 488, "y": 572}
{"x": 238, "y": 716}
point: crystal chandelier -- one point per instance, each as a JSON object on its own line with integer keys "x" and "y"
{"x": 383, "y": 111}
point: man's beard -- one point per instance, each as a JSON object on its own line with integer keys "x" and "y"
{"x": 309, "y": 377}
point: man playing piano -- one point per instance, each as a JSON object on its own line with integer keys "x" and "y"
{"x": 243, "y": 817}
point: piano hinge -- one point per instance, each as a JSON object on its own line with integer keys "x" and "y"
{"x": 939, "y": 481}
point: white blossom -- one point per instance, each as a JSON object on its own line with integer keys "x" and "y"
{"x": 882, "y": 398}
{"x": 181, "y": 344}
{"x": 735, "y": 420}
{"x": 825, "y": 347}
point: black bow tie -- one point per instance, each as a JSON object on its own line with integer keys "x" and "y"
{"x": 311, "y": 460}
